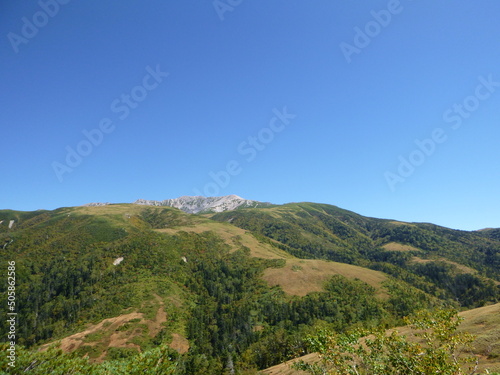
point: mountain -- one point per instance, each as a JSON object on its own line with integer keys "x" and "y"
{"x": 199, "y": 204}
{"x": 135, "y": 285}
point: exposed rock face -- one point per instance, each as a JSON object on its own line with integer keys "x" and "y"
{"x": 194, "y": 205}
{"x": 197, "y": 204}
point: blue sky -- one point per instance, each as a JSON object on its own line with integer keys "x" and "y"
{"x": 386, "y": 108}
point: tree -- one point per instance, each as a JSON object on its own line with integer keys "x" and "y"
{"x": 439, "y": 349}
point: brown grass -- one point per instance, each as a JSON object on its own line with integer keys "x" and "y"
{"x": 484, "y": 323}
{"x": 233, "y": 236}
{"x": 112, "y": 209}
{"x": 179, "y": 343}
{"x": 394, "y": 246}
{"x": 155, "y": 325}
{"x": 302, "y": 276}
{"x": 285, "y": 368}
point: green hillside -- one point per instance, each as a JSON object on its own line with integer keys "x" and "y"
{"x": 123, "y": 288}
{"x": 320, "y": 231}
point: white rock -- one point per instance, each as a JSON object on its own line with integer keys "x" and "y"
{"x": 197, "y": 204}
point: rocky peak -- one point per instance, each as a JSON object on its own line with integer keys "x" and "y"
{"x": 196, "y": 204}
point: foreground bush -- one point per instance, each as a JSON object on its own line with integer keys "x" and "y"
{"x": 439, "y": 350}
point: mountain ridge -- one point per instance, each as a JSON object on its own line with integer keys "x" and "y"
{"x": 198, "y": 204}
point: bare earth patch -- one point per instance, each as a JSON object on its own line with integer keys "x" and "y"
{"x": 155, "y": 325}
{"x": 179, "y": 343}
{"x": 114, "y": 333}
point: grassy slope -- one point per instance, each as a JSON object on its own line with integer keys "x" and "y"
{"x": 298, "y": 276}
{"x": 301, "y": 276}
{"x": 233, "y": 236}
{"x": 483, "y": 322}
{"x": 123, "y": 331}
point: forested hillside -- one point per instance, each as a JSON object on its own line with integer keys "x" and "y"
{"x": 124, "y": 288}
{"x": 463, "y": 266}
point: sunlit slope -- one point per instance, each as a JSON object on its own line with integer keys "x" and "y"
{"x": 325, "y": 231}
{"x": 483, "y": 323}
{"x": 301, "y": 276}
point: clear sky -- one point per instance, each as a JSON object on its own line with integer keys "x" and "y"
{"x": 386, "y": 108}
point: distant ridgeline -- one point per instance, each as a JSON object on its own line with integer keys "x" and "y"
{"x": 199, "y": 285}
{"x": 199, "y": 204}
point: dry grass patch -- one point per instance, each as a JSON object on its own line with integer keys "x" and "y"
{"x": 285, "y": 368}
{"x": 301, "y": 276}
{"x": 460, "y": 267}
{"x": 484, "y": 323}
{"x": 111, "y": 209}
{"x": 117, "y": 332}
{"x": 233, "y": 236}
{"x": 394, "y": 222}
{"x": 179, "y": 343}
{"x": 106, "y": 331}
{"x": 394, "y": 246}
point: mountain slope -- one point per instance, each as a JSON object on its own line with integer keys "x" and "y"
{"x": 432, "y": 257}
{"x": 242, "y": 286}
{"x": 324, "y": 231}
